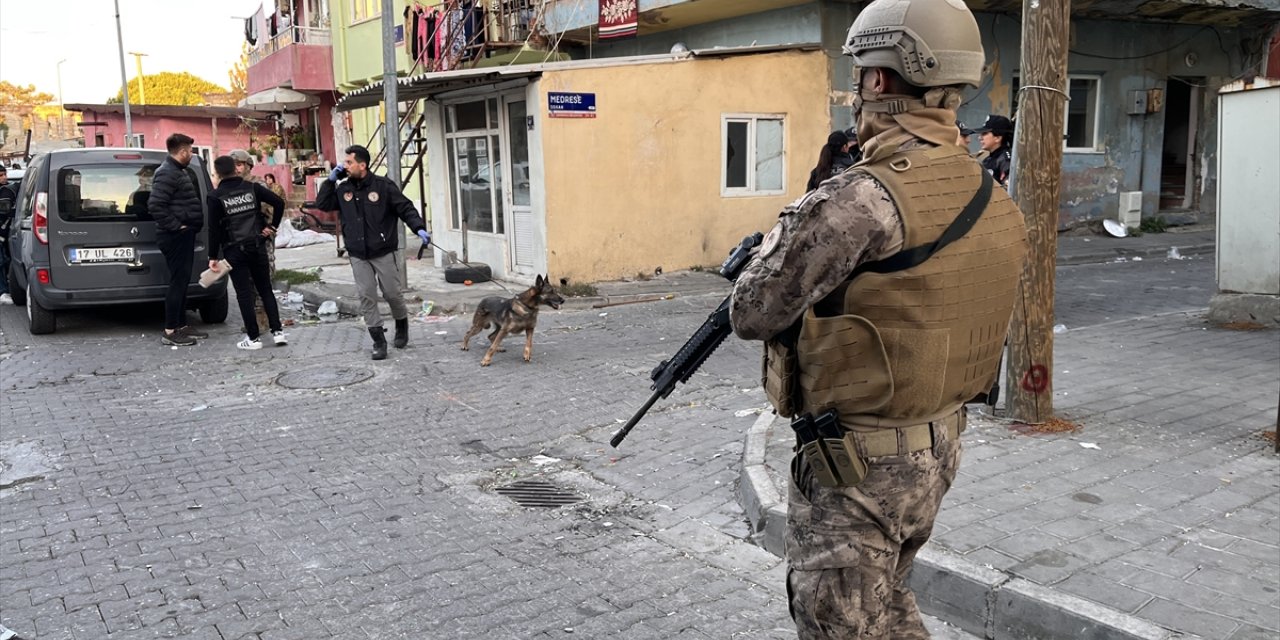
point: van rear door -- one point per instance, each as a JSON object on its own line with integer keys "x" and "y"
{"x": 100, "y": 232}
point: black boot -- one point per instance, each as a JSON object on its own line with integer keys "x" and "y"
{"x": 379, "y": 342}
{"x": 402, "y": 334}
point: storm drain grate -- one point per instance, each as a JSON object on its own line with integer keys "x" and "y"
{"x": 538, "y": 493}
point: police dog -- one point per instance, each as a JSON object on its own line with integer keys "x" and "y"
{"x": 510, "y": 315}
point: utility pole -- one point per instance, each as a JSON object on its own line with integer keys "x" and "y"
{"x": 124, "y": 80}
{"x": 62, "y": 107}
{"x": 391, "y": 128}
{"x": 142, "y": 86}
{"x": 1037, "y": 156}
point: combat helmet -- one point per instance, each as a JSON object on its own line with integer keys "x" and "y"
{"x": 930, "y": 43}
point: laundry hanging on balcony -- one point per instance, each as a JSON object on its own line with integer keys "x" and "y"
{"x": 618, "y": 19}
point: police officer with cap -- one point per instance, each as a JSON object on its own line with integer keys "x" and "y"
{"x": 883, "y": 298}
{"x": 996, "y": 137}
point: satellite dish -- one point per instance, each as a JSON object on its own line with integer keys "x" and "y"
{"x": 1114, "y": 228}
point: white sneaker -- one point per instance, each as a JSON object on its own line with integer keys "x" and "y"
{"x": 6, "y": 298}
{"x": 280, "y": 337}
{"x": 249, "y": 344}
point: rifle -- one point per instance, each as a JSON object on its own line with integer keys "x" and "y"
{"x": 699, "y": 346}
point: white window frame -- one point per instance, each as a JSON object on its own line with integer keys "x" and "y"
{"x": 492, "y": 129}
{"x": 1097, "y": 113}
{"x": 750, "y": 190}
{"x": 1066, "y": 106}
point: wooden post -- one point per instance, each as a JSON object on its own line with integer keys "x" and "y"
{"x": 1037, "y": 155}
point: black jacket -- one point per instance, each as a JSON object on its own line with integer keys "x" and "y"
{"x": 368, "y": 209}
{"x": 174, "y": 201}
{"x": 998, "y": 165}
{"x": 8, "y": 203}
{"x": 235, "y": 215}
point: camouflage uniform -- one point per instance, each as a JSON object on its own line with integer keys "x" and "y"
{"x": 849, "y": 550}
{"x": 259, "y": 311}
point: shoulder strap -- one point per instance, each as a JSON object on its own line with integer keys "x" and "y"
{"x": 908, "y": 258}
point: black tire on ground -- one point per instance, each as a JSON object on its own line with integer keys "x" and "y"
{"x": 476, "y": 272}
{"x": 18, "y": 294}
{"x": 214, "y": 310}
{"x": 40, "y": 319}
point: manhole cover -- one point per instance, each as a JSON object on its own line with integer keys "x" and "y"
{"x": 324, "y": 377}
{"x": 538, "y": 493}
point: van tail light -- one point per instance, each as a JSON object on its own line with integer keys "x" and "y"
{"x": 40, "y": 225}
{"x": 42, "y": 275}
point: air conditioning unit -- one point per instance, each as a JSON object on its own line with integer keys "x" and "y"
{"x": 1130, "y": 214}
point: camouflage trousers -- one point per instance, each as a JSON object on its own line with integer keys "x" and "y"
{"x": 849, "y": 549}
{"x": 258, "y": 309}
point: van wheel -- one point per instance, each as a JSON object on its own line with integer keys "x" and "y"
{"x": 41, "y": 320}
{"x": 214, "y": 310}
{"x": 18, "y": 294}
{"x": 475, "y": 272}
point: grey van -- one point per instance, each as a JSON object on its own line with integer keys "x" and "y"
{"x": 82, "y": 236}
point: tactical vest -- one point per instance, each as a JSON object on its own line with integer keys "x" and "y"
{"x": 911, "y": 346}
{"x": 242, "y": 225}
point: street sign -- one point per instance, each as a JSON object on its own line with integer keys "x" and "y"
{"x": 571, "y": 105}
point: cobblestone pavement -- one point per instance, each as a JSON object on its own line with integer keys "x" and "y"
{"x": 150, "y": 492}
{"x": 1166, "y": 504}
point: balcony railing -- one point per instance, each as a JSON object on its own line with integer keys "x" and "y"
{"x": 292, "y": 35}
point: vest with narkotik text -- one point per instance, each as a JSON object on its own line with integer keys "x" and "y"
{"x": 911, "y": 346}
{"x": 242, "y": 225}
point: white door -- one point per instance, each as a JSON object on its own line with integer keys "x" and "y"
{"x": 523, "y": 230}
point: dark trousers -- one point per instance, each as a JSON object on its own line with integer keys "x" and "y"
{"x": 179, "y": 251}
{"x": 4, "y": 266}
{"x": 251, "y": 271}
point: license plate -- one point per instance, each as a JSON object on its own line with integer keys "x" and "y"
{"x": 108, "y": 254}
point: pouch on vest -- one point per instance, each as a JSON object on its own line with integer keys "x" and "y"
{"x": 842, "y": 364}
{"x": 778, "y": 370}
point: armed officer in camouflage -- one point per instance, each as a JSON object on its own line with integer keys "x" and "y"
{"x": 871, "y": 304}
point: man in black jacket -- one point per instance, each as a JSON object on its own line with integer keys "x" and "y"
{"x": 368, "y": 206}
{"x": 237, "y": 231}
{"x": 175, "y": 205}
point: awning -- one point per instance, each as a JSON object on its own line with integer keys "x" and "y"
{"x": 279, "y": 99}
{"x": 426, "y": 85}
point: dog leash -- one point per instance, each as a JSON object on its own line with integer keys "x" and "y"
{"x": 424, "y": 247}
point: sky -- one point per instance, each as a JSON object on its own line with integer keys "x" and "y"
{"x": 199, "y": 36}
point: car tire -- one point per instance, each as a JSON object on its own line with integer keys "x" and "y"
{"x": 214, "y": 310}
{"x": 41, "y": 320}
{"x": 475, "y": 272}
{"x": 18, "y": 294}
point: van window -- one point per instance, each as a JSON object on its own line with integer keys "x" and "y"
{"x": 104, "y": 193}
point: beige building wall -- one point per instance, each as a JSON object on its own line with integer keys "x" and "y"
{"x": 639, "y": 186}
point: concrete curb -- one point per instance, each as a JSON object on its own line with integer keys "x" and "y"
{"x": 983, "y": 601}
{"x": 1108, "y": 255}
{"x": 315, "y": 293}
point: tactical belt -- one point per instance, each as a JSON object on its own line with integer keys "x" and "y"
{"x": 903, "y": 440}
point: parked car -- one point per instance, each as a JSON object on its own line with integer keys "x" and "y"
{"x": 82, "y": 237}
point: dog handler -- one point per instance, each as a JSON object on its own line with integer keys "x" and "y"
{"x": 368, "y": 206}
{"x": 895, "y": 344}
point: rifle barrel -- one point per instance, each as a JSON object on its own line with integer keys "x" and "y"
{"x": 635, "y": 419}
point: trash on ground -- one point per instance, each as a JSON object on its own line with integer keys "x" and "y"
{"x": 540, "y": 460}
{"x": 328, "y": 308}
{"x": 200, "y": 408}
{"x": 1174, "y": 254}
{"x": 1090, "y": 445}
{"x": 1137, "y": 258}
{"x": 1059, "y": 328}
{"x": 427, "y": 306}
{"x": 442, "y": 333}
{"x": 746, "y": 412}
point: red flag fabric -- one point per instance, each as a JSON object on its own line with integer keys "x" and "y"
{"x": 618, "y": 18}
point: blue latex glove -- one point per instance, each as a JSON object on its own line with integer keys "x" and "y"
{"x": 426, "y": 237}
{"x": 337, "y": 174}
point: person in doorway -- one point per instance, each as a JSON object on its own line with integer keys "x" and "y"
{"x": 238, "y": 232}
{"x": 833, "y": 159}
{"x": 8, "y": 201}
{"x": 368, "y": 206}
{"x": 176, "y": 208}
{"x": 996, "y": 138}
{"x": 849, "y": 271}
